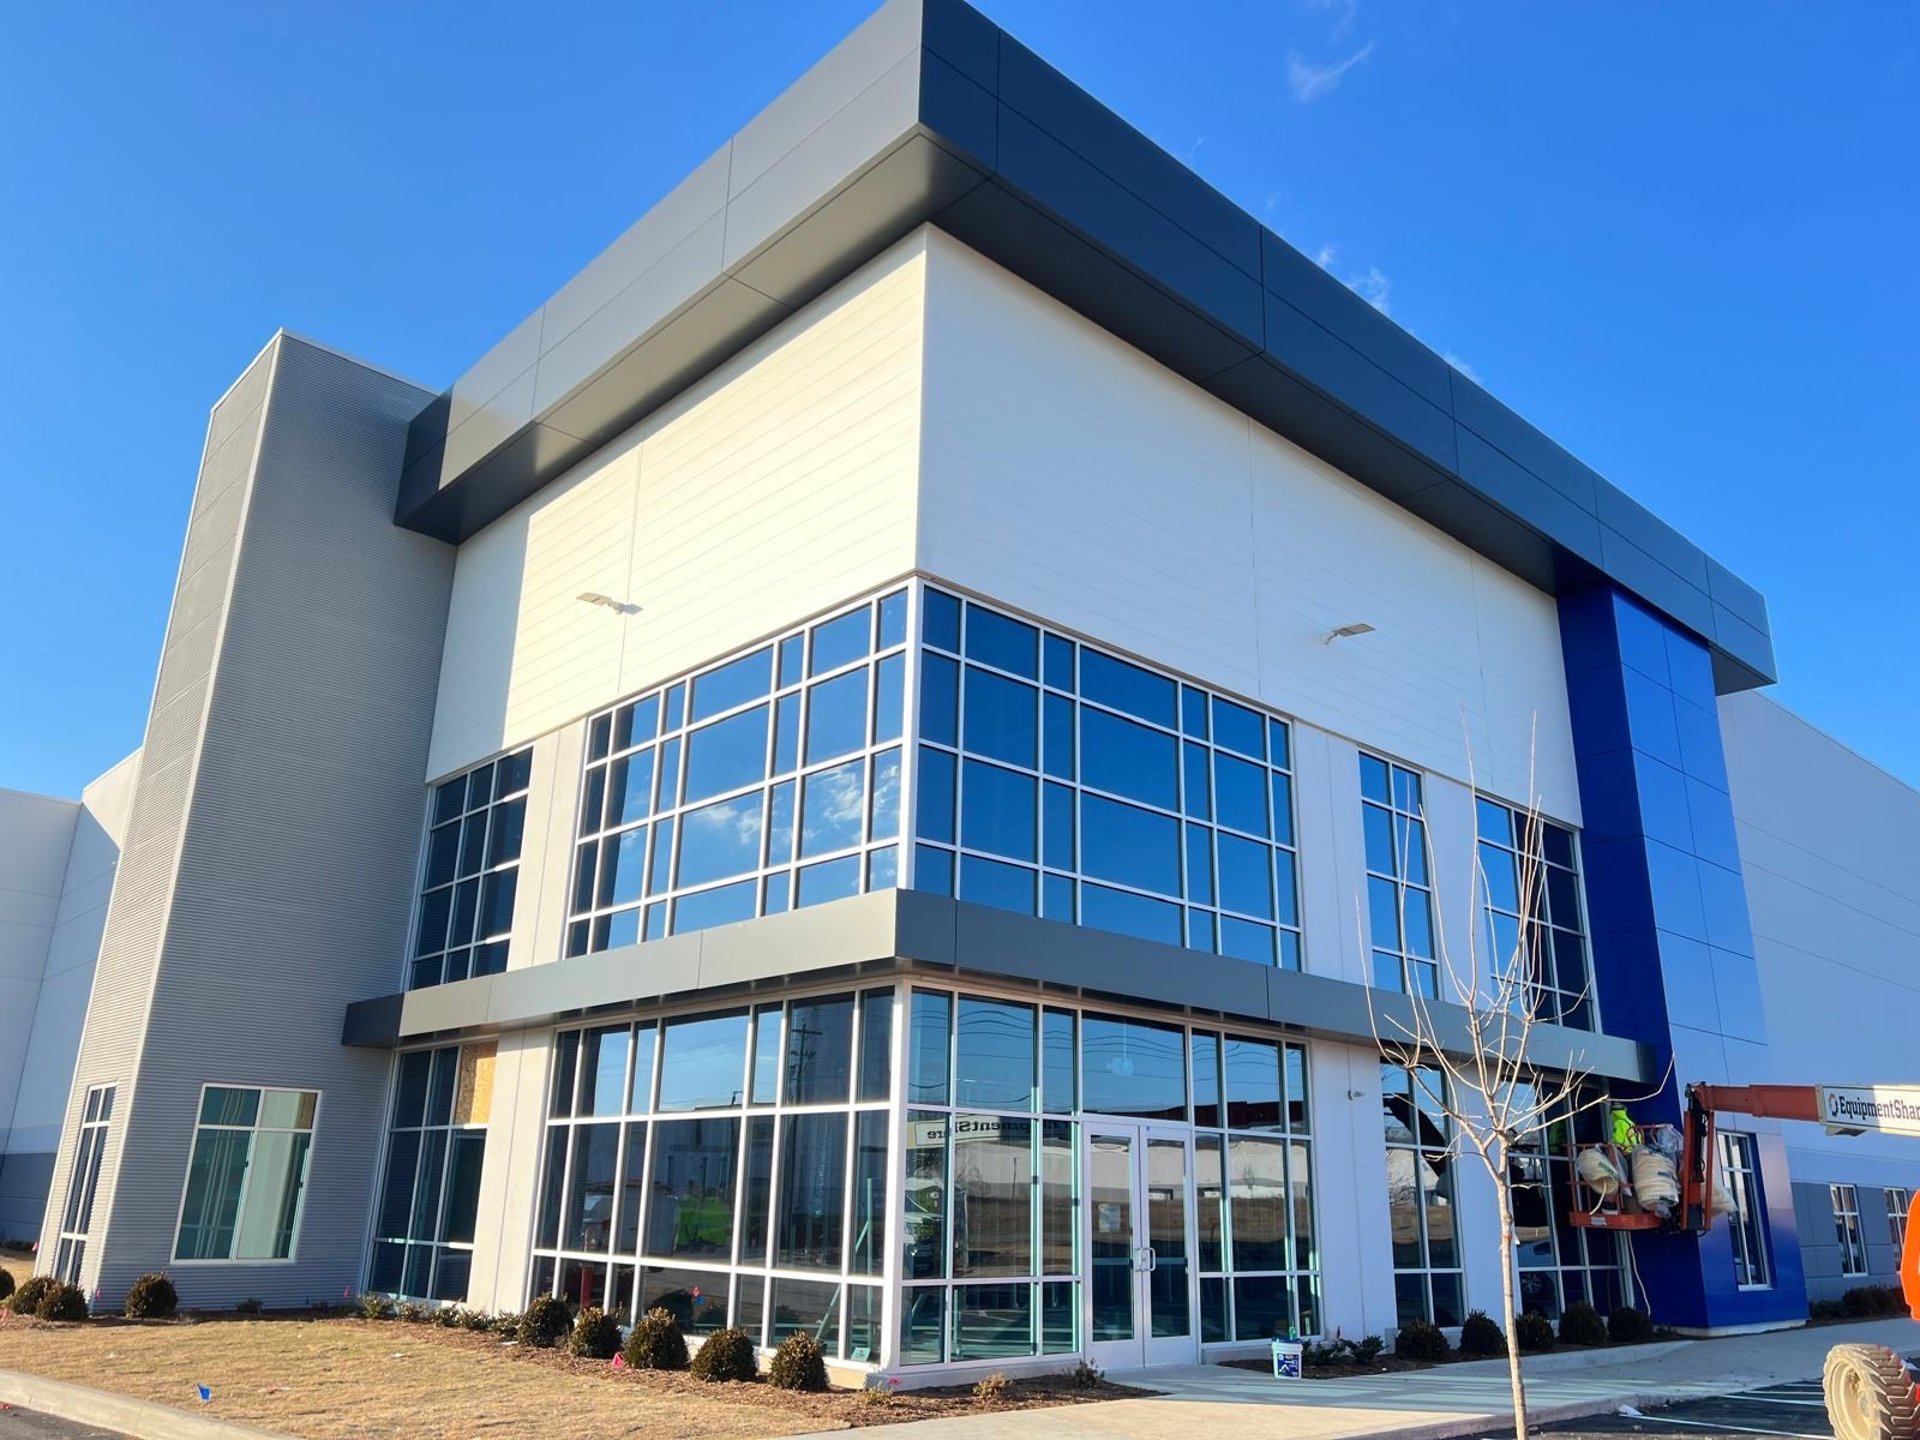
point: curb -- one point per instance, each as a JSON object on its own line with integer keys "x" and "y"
{"x": 139, "y": 1419}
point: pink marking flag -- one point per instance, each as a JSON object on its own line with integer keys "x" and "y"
{"x": 619, "y": 1361}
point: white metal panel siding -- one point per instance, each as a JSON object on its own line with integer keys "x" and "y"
{"x": 778, "y": 486}
{"x": 36, "y": 836}
{"x": 774, "y": 488}
{"x": 1067, "y": 474}
{"x": 1827, "y": 846}
{"x": 296, "y": 852}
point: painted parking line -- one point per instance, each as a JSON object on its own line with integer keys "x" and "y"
{"x": 1628, "y": 1412}
{"x": 1763, "y": 1398}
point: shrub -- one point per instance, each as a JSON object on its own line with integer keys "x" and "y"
{"x": 994, "y": 1390}
{"x": 876, "y": 1395}
{"x": 449, "y": 1317}
{"x": 152, "y": 1297}
{"x": 6, "y": 1284}
{"x": 506, "y": 1324}
{"x": 1367, "y": 1349}
{"x": 26, "y": 1300}
{"x": 477, "y": 1321}
{"x": 1480, "y": 1334}
{"x": 1418, "y": 1340}
{"x": 414, "y": 1313}
{"x": 1336, "y": 1352}
{"x": 375, "y": 1307}
{"x": 798, "y": 1364}
{"x": 595, "y": 1335}
{"x": 727, "y": 1355}
{"x": 656, "y": 1342}
{"x": 1826, "y": 1310}
{"x": 1868, "y": 1300}
{"x": 1628, "y": 1326}
{"x": 62, "y": 1302}
{"x": 546, "y": 1323}
{"x": 1581, "y": 1325}
{"x": 1086, "y": 1375}
{"x": 1534, "y": 1331}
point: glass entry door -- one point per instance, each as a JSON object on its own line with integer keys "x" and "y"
{"x": 1139, "y": 1245}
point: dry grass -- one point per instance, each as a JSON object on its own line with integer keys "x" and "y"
{"x": 333, "y": 1379}
{"x": 17, "y": 1263}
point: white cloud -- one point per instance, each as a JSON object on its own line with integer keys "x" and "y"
{"x": 1462, "y": 366}
{"x": 1309, "y": 81}
{"x": 1373, "y": 287}
{"x": 1323, "y": 257}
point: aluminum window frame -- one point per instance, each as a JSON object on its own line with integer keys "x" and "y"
{"x": 1845, "y": 1200}
{"x": 292, "y": 1257}
{"x": 83, "y": 1185}
{"x": 1739, "y": 1161}
{"x": 423, "y": 891}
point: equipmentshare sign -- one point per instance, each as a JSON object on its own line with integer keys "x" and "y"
{"x": 1886, "y": 1109}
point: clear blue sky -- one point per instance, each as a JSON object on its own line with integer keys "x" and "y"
{"x": 1681, "y": 239}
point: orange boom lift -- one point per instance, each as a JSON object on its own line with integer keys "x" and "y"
{"x": 1870, "y": 1393}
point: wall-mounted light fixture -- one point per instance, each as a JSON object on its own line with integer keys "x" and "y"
{"x": 622, "y": 607}
{"x": 1345, "y": 632}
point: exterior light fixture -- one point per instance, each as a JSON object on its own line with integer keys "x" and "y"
{"x": 1345, "y": 632}
{"x": 594, "y": 597}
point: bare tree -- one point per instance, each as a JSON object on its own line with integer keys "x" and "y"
{"x": 1469, "y": 1049}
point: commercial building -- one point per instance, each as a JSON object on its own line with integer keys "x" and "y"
{"x": 872, "y": 765}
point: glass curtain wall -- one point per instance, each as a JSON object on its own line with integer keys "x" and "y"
{"x": 430, "y": 1196}
{"x": 725, "y": 1163}
{"x": 1059, "y": 779}
{"x": 1560, "y": 1264}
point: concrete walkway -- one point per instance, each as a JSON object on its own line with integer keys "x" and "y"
{"x": 1213, "y": 1402}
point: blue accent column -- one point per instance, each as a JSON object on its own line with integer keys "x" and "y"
{"x": 1667, "y": 909}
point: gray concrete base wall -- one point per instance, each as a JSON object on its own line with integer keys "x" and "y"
{"x": 24, "y": 1180}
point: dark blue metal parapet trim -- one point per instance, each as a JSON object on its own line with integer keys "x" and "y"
{"x": 929, "y": 113}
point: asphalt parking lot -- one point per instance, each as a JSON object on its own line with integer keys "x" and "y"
{"x": 1797, "y": 1411}
{"x": 18, "y": 1424}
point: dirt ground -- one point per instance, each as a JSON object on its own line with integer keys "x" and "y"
{"x": 355, "y": 1378}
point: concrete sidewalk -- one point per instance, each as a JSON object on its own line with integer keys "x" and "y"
{"x": 1219, "y": 1403}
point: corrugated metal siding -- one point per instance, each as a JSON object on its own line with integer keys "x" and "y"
{"x": 297, "y": 852}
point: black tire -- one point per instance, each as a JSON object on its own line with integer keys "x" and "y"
{"x": 1870, "y": 1395}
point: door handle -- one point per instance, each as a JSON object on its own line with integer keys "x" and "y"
{"x": 1153, "y": 1259}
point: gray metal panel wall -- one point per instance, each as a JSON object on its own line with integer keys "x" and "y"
{"x": 929, "y": 113}
{"x": 294, "y": 809}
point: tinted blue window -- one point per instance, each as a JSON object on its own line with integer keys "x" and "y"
{"x": 889, "y": 693}
{"x": 1002, "y": 719}
{"x": 1237, "y": 728}
{"x": 1128, "y": 759}
{"x": 1419, "y": 923}
{"x": 1240, "y": 792}
{"x": 988, "y": 882}
{"x": 728, "y": 754}
{"x": 703, "y": 1064}
{"x": 1005, "y": 643}
{"x": 623, "y": 928}
{"x": 1057, "y": 743}
{"x": 1129, "y": 1067}
{"x": 933, "y": 870}
{"x": 893, "y": 619}
{"x": 1502, "y": 889}
{"x": 838, "y": 642}
{"x": 658, "y": 882}
{"x": 1129, "y": 845}
{"x": 793, "y": 660}
{"x": 676, "y": 712}
{"x": 786, "y": 734}
{"x": 993, "y": 1055}
{"x": 622, "y": 866}
{"x": 1199, "y": 787}
{"x": 451, "y": 798}
{"x": 939, "y": 700}
{"x": 837, "y": 716}
{"x": 1058, "y": 827}
{"x": 630, "y": 788}
{"x": 1193, "y": 712}
{"x": 1406, "y": 790}
{"x": 1056, "y": 897}
{"x": 778, "y": 888}
{"x": 1288, "y": 908}
{"x": 1496, "y": 821}
{"x": 1245, "y": 940}
{"x": 1282, "y": 809}
{"x": 645, "y": 723}
{"x": 997, "y": 811}
{"x": 835, "y": 880}
{"x": 734, "y": 683}
{"x": 1374, "y": 781}
{"x": 935, "y": 800}
{"x": 940, "y": 620}
{"x": 1410, "y": 842}
{"x": 1279, "y": 751}
{"x": 1246, "y": 876}
{"x": 832, "y": 806}
{"x": 883, "y": 869}
{"x": 1126, "y": 914}
{"x": 667, "y": 789}
{"x": 1200, "y": 930}
{"x": 1127, "y": 687}
{"x": 780, "y": 825}
{"x": 1199, "y": 865}
{"x": 720, "y": 840}
{"x": 886, "y": 796}
{"x": 714, "y": 907}
{"x": 1383, "y": 913}
{"x": 1059, "y": 662}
